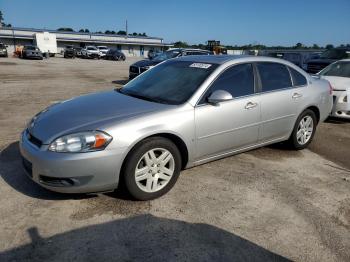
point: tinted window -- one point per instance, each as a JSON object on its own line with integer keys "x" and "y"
{"x": 298, "y": 79}
{"x": 274, "y": 76}
{"x": 172, "y": 82}
{"x": 237, "y": 80}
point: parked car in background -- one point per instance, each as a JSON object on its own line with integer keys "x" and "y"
{"x": 69, "y": 52}
{"x": 153, "y": 53}
{"x": 297, "y": 57}
{"x": 3, "y": 50}
{"x": 326, "y": 58}
{"x": 103, "y": 50}
{"x": 31, "y": 52}
{"x": 143, "y": 65}
{"x": 90, "y": 52}
{"x": 115, "y": 54}
{"x": 182, "y": 113}
{"x": 78, "y": 51}
{"x": 338, "y": 74}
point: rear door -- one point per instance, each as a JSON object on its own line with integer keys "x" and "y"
{"x": 278, "y": 101}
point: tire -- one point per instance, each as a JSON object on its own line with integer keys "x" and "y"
{"x": 150, "y": 184}
{"x": 301, "y": 136}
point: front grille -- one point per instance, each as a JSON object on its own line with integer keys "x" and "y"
{"x": 134, "y": 69}
{"x": 28, "y": 167}
{"x": 32, "y": 139}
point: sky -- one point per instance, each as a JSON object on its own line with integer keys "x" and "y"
{"x": 240, "y": 22}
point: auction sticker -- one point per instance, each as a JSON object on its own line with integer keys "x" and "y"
{"x": 200, "y": 65}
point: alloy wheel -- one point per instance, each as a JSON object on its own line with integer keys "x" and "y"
{"x": 305, "y": 130}
{"x": 154, "y": 170}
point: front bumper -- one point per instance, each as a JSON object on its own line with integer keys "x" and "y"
{"x": 341, "y": 104}
{"x": 3, "y": 53}
{"x": 71, "y": 172}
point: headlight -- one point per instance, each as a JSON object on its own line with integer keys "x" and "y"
{"x": 81, "y": 142}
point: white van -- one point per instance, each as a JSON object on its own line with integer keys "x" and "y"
{"x": 46, "y": 42}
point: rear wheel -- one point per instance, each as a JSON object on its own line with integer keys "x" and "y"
{"x": 304, "y": 130}
{"x": 152, "y": 168}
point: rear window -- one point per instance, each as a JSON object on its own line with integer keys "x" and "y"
{"x": 341, "y": 69}
{"x": 298, "y": 78}
{"x": 274, "y": 76}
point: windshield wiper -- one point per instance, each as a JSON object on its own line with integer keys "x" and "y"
{"x": 151, "y": 99}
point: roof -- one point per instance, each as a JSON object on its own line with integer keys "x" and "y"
{"x": 213, "y": 59}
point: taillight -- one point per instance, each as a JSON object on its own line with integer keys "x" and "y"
{"x": 330, "y": 89}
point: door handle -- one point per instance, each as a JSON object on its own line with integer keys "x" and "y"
{"x": 296, "y": 95}
{"x": 250, "y": 105}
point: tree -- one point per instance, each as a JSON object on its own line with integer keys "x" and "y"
{"x": 1, "y": 19}
{"x": 81, "y": 31}
{"x": 299, "y": 46}
{"x": 87, "y": 30}
{"x": 121, "y": 32}
{"x": 65, "y": 29}
{"x": 180, "y": 44}
{"x": 315, "y": 46}
{"x": 329, "y": 46}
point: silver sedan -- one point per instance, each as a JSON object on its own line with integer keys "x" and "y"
{"x": 182, "y": 113}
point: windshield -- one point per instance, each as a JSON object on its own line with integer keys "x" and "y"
{"x": 91, "y": 48}
{"x": 334, "y": 54}
{"x": 172, "y": 82}
{"x": 341, "y": 69}
{"x": 2, "y": 46}
{"x": 167, "y": 55}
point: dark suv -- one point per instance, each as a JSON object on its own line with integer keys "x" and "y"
{"x": 143, "y": 65}
{"x": 3, "y": 50}
{"x": 70, "y": 52}
{"x": 326, "y": 58}
{"x": 114, "y": 54}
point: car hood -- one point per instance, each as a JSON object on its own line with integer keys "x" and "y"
{"x": 87, "y": 112}
{"x": 337, "y": 82}
{"x": 144, "y": 63}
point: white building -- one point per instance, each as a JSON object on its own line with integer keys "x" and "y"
{"x": 129, "y": 45}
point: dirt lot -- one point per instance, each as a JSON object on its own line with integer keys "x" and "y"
{"x": 267, "y": 204}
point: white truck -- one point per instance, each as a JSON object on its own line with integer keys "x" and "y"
{"x": 46, "y": 42}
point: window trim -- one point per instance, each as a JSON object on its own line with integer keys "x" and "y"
{"x": 292, "y": 77}
{"x": 223, "y": 71}
{"x": 275, "y": 90}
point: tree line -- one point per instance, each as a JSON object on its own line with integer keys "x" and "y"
{"x": 108, "y": 32}
{"x": 181, "y": 44}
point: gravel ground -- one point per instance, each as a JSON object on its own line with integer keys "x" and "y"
{"x": 266, "y": 204}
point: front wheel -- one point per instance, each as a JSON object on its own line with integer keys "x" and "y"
{"x": 304, "y": 130}
{"x": 152, "y": 168}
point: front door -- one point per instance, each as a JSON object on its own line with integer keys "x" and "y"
{"x": 232, "y": 124}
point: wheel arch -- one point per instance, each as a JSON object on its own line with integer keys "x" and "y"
{"x": 316, "y": 110}
{"x": 177, "y": 140}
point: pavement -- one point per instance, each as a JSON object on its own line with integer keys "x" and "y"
{"x": 270, "y": 204}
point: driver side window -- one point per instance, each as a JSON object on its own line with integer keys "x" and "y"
{"x": 237, "y": 80}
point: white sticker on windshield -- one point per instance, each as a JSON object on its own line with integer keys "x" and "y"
{"x": 201, "y": 65}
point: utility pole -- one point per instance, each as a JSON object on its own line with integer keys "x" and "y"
{"x": 126, "y": 27}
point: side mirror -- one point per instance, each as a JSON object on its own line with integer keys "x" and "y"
{"x": 219, "y": 96}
